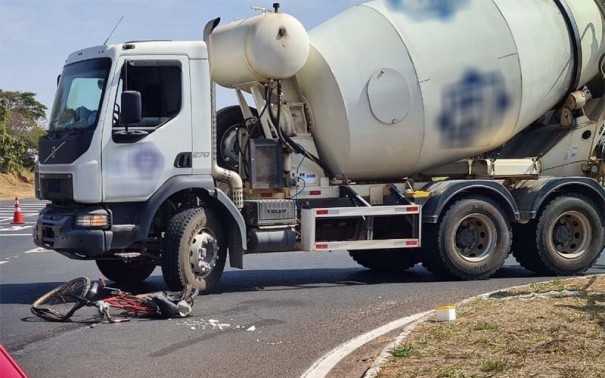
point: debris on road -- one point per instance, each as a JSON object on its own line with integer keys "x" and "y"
{"x": 203, "y": 324}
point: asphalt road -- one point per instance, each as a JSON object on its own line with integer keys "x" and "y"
{"x": 301, "y": 305}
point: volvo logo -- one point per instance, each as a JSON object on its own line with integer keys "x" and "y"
{"x": 53, "y": 152}
{"x": 276, "y": 211}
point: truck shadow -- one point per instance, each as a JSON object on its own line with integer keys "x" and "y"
{"x": 296, "y": 279}
{"x": 234, "y": 281}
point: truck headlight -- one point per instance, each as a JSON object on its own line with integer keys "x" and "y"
{"x": 92, "y": 220}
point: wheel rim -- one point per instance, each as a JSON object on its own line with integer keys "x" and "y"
{"x": 229, "y": 149}
{"x": 475, "y": 237}
{"x": 203, "y": 253}
{"x": 571, "y": 234}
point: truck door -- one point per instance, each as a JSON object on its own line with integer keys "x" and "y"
{"x": 137, "y": 160}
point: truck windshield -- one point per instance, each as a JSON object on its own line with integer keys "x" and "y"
{"x": 79, "y": 95}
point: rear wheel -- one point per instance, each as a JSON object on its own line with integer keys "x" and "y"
{"x": 524, "y": 248}
{"x": 126, "y": 271}
{"x": 386, "y": 260}
{"x": 566, "y": 239}
{"x": 471, "y": 241}
{"x": 194, "y": 251}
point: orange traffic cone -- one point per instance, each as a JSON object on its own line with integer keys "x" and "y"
{"x": 18, "y": 216}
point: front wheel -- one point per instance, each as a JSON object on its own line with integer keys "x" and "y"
{"x": 194, "y": 251}
{"x": 126, "y": 272}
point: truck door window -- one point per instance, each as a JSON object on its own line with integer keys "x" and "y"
{"x": 159, "y": 83}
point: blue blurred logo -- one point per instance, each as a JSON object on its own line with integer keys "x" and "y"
{"x": 470, "y": 106}
{"x": 148, "y": 162}
{"x": 429, "y": 9}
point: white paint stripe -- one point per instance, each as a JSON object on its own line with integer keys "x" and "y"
{"x": 6, "y": 213}
{"x": 24, "y": 214}
{"x": 322, "y": 366}
{"x": 3, "y": 262}
{"x": 385, "y": 354}
{"x": 15, "y": 235}
{"x": 11, "y": 213}
{"x": 22, "y": 206}
{"x": 28, "y": 211}
{"x": 15, "y": 228}
{"x": 38, "y": 250}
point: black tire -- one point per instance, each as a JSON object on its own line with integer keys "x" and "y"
{"x": 524, "y": 248}
{"x": 386, "y": 260}
{"x": 198, "y": 229}
{"x": 228, "y": 121}
{"x": 566, "y": 239}
{"x": 471, "y": 241}
{"x": 59, "y": 304}
{"x": 126, "y": 272}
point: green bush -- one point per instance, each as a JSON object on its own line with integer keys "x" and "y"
{"x": 13, "y": 153}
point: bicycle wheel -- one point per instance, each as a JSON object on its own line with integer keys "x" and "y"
{"x": 59, "y": 304}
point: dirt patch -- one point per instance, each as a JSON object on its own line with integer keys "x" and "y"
{"x": 513, "y": 334}
{"x": 16, "y": 185}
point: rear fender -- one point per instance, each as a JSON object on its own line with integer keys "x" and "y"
{"x": 443, "y": 193}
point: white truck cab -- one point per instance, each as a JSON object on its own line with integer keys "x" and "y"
{"x": 105, "y": 175}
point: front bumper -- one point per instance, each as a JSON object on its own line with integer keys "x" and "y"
{"x": 55, "y": 229}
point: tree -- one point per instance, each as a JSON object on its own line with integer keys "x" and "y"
{"x": 21, "y": 124}
{"x": 25, "y": 117}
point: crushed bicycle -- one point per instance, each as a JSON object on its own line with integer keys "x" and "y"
{"x": 60, "y": 304}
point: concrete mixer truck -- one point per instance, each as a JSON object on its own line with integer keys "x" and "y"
{"x": 447, "y": 133}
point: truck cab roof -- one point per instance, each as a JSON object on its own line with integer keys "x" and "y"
{"x": 192, "y": 49}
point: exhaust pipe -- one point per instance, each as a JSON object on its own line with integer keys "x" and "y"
{"x": 220, "y": 174}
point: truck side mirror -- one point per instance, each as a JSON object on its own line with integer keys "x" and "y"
{"x": 132, "y": 108}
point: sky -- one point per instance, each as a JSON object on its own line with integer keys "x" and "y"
{"x": 36, "y": 36}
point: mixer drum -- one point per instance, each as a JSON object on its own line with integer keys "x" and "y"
{"x": 400, "y": 86}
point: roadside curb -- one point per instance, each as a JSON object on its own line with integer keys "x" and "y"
{"x": 385, "y": 354}
{"x": 324, "y": 364}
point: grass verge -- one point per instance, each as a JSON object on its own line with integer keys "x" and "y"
{"x": 19, "y": 184}
{"x": 513, "y": 334}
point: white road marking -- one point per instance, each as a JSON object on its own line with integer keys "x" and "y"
{"x": 14, "y": 228}
{"x": 322, "y": 366}
{"x": 25, "y": 214}
{"x": 1, "y": 236}
{"x": 37, "y": 250}
{"x": 3, "y": 262}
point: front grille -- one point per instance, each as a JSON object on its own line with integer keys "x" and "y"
{"x": 56, "y": 187}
